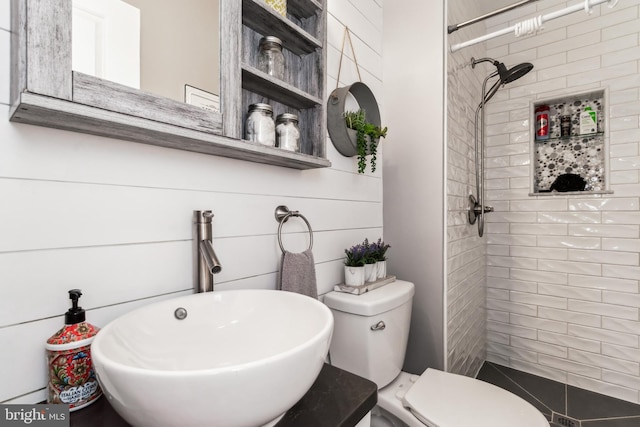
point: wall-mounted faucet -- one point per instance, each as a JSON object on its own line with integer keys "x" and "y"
{"x": 206, "y": 263}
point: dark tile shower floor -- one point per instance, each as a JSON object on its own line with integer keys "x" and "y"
{"x": 563, "y": 405}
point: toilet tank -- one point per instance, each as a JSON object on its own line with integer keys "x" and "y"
{"x": 371, "y": 330}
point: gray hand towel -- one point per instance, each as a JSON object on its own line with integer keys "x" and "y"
{"x": 298, "y": 273}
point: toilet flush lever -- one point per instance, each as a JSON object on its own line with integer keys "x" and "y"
{"x": 378, "y": 326}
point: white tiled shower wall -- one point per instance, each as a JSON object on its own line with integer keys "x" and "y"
{"x": 466, "y": 269}
{"x": 562, "y": 271}
{"x": 114, "y": 217}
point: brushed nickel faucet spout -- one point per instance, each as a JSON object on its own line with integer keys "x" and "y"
{"x": 206, "y": 262}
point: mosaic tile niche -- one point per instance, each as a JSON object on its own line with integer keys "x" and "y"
{"x": 582, "y": 155}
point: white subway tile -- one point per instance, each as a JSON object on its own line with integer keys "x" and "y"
{"x": 538, "y": 205}
{"x": 511, "y": 217}
{"x": 497, "y": 358}
{"x": 625, "y": 163}
{"x": 569, "y": 217}
{"x": 575, "y": 66}
{"x": 624, "y": 177}
{"x": 602, "y": 387}
{"x": 620, "y": 56}
{"x": 509, "y": 351}
{"x": 631, "y": 108}
{"x": 539, "y": 347}
{"x": 529, "y": 90}
{"x": 569, "y": 366}
{"x": 604, "y": 283}
{"x": 623, "y": 96}
{"x": 624, "y": 82}
{"x": 604, "y": 362}
{"x": 612, "y": 72}
{"x": 605, "y": 257}
{"x": 498, "y": 337}
{"x": 526, "y": 263}
{"x": 501, "y": 294}
{"x": 539, "y": 276}
{"x": 621, "y": 272}
{"x": 627, "y": 149}
{"x": 569, "y": 242}
{"x": 628, "y": 245}
{"x": 628, "y": 190}
{"x": 621, "y": 325}
{"x": 620, "y": 352}
{"x": 540, "y": 40}
{"x": 542, "y": 371}
{"x": 620, "y": 29}
{"x": 512, "y": 330}
{"x": 497, "y": 271}
{"x": 572, "y": 292}
{"x": 542, "y": 300}
{"x": 603, "y": 309}
{"x": 498, "y": 316}
{"x": 604, "y": 230}
{"x": 540, "y": 229}
{"x": 507, "y": 172}
{"x": 621, "y": 217}
{"x": 592, "y": 345}
{"x": 604, "y": 47}
{"x": 631, "y": 300}
{"x": 538, "y": 323}
{"x": 570, "y": 267}
{"x": 541, "y": 253}
{"x": 513, "y": 285}
{"x": 498, "y": 250}
{"x": 603, "y": 335}
{"x": 631, "y": 380}
{"x": 605, "y": 204}
{"x": 519, "y": 183}
{"x": 606, "y": 21}
{"x": 511, "y": 307}
{"x": 570, "y": 317}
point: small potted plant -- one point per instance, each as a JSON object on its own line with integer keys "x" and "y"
{"x": 354, "y": 265}
{"x": 367, "y": 137}
{"x": 381, "y": 257}
{"x": 370, "y": 259}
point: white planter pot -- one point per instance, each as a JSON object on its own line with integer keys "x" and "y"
{"x": 370, "y": 272}
{"x": 382, "y": 269}
{"x": 353, "y": 276}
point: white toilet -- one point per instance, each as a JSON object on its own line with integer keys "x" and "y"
{"x": 370, "y": 339}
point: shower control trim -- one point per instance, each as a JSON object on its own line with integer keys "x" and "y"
{"x": 476, "y": 209}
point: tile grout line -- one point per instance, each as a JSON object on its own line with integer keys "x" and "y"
{"x": 525, "y": 390}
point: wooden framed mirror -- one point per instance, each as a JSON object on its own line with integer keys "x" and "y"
{"x": 46, "y": 91}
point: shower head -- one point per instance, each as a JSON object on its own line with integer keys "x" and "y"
{"x": 505, "y": 75}
{"x": 513, "y": 73}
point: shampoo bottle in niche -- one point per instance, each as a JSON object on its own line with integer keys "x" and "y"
{"x": 588, "y": 121}
{"x": 72, "y": 379}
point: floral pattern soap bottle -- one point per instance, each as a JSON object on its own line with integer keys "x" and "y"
{"x": 72, "y": 379}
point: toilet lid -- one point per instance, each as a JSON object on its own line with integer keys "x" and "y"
{"x": 443, "y": 399}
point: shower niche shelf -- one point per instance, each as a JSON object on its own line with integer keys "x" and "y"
{"x": 585, "y": 155}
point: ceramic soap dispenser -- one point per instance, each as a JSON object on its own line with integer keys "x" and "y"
{"x": 72, "y": 379}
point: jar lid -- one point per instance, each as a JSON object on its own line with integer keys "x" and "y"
{"x": 284, "y": 117}
{"x": 261, "y": 107}
{"x": 271, "y": 39}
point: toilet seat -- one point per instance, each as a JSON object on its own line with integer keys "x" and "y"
{"x": 442, "y": 399}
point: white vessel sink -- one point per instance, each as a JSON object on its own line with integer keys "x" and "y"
{"x": 240, "y": 358}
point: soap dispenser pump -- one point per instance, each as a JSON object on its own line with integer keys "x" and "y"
{"x": 72, "y": 379}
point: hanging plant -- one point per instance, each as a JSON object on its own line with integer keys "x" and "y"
{"x": 367, "y": 137}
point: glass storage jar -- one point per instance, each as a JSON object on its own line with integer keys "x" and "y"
{"x": 259, "y": 126}
{"x": 287, "y": 132}
{"x": 271, "y": 59}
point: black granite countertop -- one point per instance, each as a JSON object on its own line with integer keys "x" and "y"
{"x": 337, "y": 399}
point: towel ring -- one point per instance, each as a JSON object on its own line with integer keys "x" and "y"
{"x": 282, "y": 215}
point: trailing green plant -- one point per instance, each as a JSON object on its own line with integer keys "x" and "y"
{"x": 357, "y": 121}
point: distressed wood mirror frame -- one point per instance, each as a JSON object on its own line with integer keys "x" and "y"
{"x": 46, "y": 91}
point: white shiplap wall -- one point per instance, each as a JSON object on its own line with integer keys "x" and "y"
{"x": 114, "y": 218}
{"x": 563, "y": 297}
